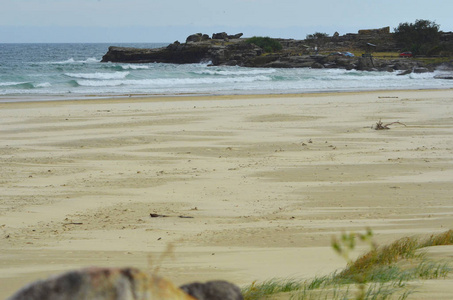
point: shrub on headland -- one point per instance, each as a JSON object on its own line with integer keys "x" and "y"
{"x": 266, "y": 43}
{"x": 419, "y": 37}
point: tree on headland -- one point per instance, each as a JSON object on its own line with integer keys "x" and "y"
{"x": 317, "y": 39}
{"x": 317, "y": 36}
{"x": 419, "y": 37}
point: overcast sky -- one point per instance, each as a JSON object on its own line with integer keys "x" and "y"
{"x": 169, "y": 20}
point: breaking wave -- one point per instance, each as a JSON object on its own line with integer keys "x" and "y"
{"x": 134, "y": 67}
{"x": 74, "y": 68}
{"x": 98, "y": 75}
{"x": 73, "y": 61}
{"x": 171, "y": 82}
{"x": 236, "y": 72}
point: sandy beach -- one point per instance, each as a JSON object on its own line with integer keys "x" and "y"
{"x": 251, "y": 187}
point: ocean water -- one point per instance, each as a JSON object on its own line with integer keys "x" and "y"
{"x": 41, "y": 71}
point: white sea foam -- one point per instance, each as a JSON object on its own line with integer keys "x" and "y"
{"x": 134, "y": 67}
{"x": 68, "y": 61}
{"x": 236, "y": 72}
{"x": 71, "y": 60}
{"x": 98, "y": 75}
{"x": 11, "y": 83}
{"x": 91, "y": 60}
{"x": 43, "y": 85}
{"x": 171, "y": 82}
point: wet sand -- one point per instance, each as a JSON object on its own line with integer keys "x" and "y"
{"x": 252, "y": 187}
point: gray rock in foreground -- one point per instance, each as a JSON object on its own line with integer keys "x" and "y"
{"x": 213, "y": 290}
{"x": 121, "y": 284}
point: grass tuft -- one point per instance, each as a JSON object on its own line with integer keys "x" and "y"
{"x": 441, "y": 239}
{"x": 363, "y": 268}
{"x": 382, "y": 273}
{"x": 270, "y": 287}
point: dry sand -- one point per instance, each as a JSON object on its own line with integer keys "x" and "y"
{"x": 268, "y": 181}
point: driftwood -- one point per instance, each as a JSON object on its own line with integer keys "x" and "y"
{"x": 152, "y": 215}
{"x": 381, "y": 126}
{"x": 157, "y": 216}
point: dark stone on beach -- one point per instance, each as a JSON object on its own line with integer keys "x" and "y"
{"x": 122, "y": 284}
{"x": 421, "y": 70}
{"x": 101, "y": 284}
{"x": 449, "y": 77}
{"x": 405, "y": 72}
{"x": 446, "y": 66}
{"x": 213, "y": 290}
{"x": 365, "y": 63}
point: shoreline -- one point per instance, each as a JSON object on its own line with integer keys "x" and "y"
{"x": 185, "y": 97}
{"x": 268, "y": 181}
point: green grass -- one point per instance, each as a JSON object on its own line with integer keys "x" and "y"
{"x": 266, "y": 43}
{"x": 381, "y": 273}
{"x": 340, "y": 292}
{"x": 434, "y": 60}
{"x": 271, "y": 287}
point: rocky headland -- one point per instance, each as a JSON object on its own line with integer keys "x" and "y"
{"x": 222, "y": 49}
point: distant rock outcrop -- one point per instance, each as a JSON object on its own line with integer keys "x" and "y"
{"x": 122, "y": 284}
{"x": 197, "y": 37}
{"x": 225, "y": 36}
{"x": 383, "y": 30}
{"x": 232, "y": 50}
{"x": 174, "y": 53}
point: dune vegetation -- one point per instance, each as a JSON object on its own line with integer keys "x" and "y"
{"x": 382, "y": 273}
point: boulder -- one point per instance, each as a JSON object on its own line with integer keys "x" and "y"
{"x": 449, "y": 77}
{"x": 447, "y": 66}
{"x": 213, "y": 290}
{"x": 317, "y": 65}
{"x": 235, "y": 36}
{"x": 103, "y": 284}
{"x": 224, "y": 36}
{"x": 421, "y": 70}
{"x": 406, "y": 72}
{"x": 365, "y": 63}
{"x": 219, "y": 36}
{"x": 194, "y": 38}
{"x": 197, "y": 37}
